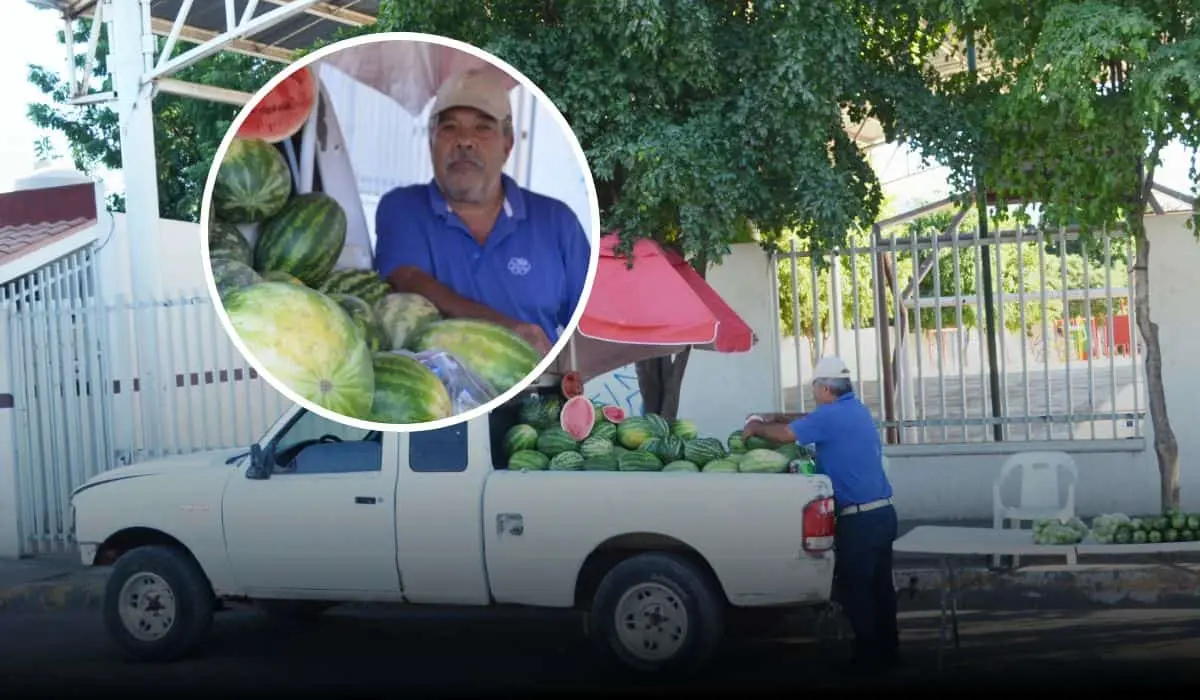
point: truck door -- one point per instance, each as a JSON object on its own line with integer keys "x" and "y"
{"x": 439, "y": 497}
{"x": 324, "y": 521}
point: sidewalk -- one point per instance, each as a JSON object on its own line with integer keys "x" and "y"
{"x": 53, "y": 582}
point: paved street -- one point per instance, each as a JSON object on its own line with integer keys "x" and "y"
{"x": 406, "y": 652}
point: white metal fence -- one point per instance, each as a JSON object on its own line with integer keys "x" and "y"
{"x": 80, "y": 405}
{"x": 912, "y": 291}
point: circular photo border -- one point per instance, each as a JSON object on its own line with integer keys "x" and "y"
{"x": 594, "y": 243}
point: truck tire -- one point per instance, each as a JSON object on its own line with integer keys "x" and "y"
{"x": 657, "y": 613}
{"x": 158, "y": 604}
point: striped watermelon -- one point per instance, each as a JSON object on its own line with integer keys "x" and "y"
{"x": 658, "y": 426}
{"x": 365, "y": 319}
{"x": 595, "y": 447}
{"x": 278, "y": 276}
{"x": 528, "y": 460}
{"x": 600, "y": 463}
{"x": 253, "y": 182}
{"x": 493, "y": 353}
{"x": 554, "y": 440}
{"x": 632, "y": 432}
{"x": 755, "y": 442}
{"x": 720, "y": 466}
{"x": 569, "y": 461}
{"x": 520, "y": 437}
{"x": 762, "y": 461}
{"x": 681, "y": 465}
{"x": 736, "y": 443}
{"x": 668, "y": 449}
{"x": 401, "y": 314}
{"x": 364, "y": 284}
{"x": 605, "y": 431}
{"x": 306, "y": 342}
{"x": 638, "y": 461}
{"x": 230, "y": 274}
{"x": 684, "y": 429}
{"x": 304, "y": 239}
{"x": 701, "y": 451}
{"x": 407, "y": 391}
{"x": 225, "y": 241}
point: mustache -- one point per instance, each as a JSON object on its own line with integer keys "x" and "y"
{"x": 464, "y": 157}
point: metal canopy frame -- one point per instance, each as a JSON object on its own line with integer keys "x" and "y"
{"x": 270, "y": 29}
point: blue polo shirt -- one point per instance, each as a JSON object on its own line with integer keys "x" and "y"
{"x": 848, "y": 449}
{"x": 532, "y": 267}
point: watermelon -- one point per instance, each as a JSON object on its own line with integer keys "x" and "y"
{"x": 498, "y": 356}
{"x": 668, "y": 449}
{"x": 577, "y": 417}
{"x": 637, "y": 461}
{"x": 229, "y": 275}
{"x": 701, "y": 451}
{"x": 761, "y": 461}
{"x": 253, "y": 182}
{"x": 364, "y": 284}
{"x": 632, "y": 432}
{"x": 520, "y": 437}
{"x": 281, "y": 113}
{"x": 601, "y": 463}
{"x": 658, "y": 426}
{"x": 402, "y": 313}
{"x": 735, "y": 457}
{"x": 528, "y": 460}
{"x": 278, "y": 276}
{"x": 407, "y": 391}
{"x": 613, "y": 414}
{"x": 684, "y": 429}
{"x": 755, "y": 442}
{"x": 554, "y": 440}
{"x": 225, "y": 241}
{"x": 737, "y": 444}
{"x": 569, "y": 461}
{"x": 304, "y": 340}
{"x": 605, "y": 431}
{"x": 720, "y": 466}
{"x": 595, "y": 447}
{"x": 572, "y": 385}
{"x": 304, "y": 239}
{"x": 790, "y": 451}
{"x": 681, "y": 465}
{"x": 364, "y": 319}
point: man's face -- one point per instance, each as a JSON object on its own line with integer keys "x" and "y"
{"x": 821, "y": 394}
{"x": 469, "y": 152}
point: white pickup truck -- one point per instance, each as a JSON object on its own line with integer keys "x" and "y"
{"x": 318, "y": 513}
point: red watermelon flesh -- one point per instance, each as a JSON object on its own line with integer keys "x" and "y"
{"x": 577, "y": 417}
{"x": 613, "y": 414}
{"x": 571, "y": 385}
{"x": 282, "y": 111}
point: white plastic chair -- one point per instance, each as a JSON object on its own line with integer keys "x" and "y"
{"x": 1039, "y": 496}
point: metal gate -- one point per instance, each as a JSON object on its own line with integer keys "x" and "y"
{"x": 63, "y": 421}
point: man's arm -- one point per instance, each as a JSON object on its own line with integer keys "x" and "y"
{"x": 806, "y": 430}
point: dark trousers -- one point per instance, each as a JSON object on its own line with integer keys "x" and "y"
{"x": 863, "y": 582}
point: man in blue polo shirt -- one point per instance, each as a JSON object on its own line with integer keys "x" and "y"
{"x": 472, "y": 241}
{"x": 848, "y": 451}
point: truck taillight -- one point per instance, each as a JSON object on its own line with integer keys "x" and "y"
{"x": 818, "y": 525}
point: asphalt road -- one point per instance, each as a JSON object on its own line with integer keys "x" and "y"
{"x": 439, "y": 654}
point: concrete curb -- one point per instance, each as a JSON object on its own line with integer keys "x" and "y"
{"x": 1104, "y": 585}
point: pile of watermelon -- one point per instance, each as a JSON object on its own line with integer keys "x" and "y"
{"x": 545, "y": 440}
{"x": 334, "y": 335}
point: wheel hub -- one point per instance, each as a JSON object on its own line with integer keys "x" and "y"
{"x": 146, "y": 605}
{"x": 651, "y": 622}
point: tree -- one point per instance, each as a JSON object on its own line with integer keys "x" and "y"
{"x": 187, "y": 131}
{"x": 700, "y": 119}
{"x": 1078, "y": 101}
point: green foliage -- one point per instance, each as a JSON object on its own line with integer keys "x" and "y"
{"x": 700, "y": 119}
{"x": 187, "y": 131}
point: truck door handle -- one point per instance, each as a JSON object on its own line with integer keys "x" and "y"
{"x": 510, "y": 523}
{"x": 364, "y": 500}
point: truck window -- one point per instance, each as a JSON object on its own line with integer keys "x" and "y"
{"x": 441, "y": 450}
{"x": 312, "y": 444}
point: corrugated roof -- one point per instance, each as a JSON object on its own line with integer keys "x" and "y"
{"x": 33, "y": 219}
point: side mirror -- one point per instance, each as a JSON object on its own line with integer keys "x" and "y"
{"x": 260, "y": 467}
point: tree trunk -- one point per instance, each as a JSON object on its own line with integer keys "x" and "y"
{"x": 660, "y": 380}
{"x": 1166, "y": 448}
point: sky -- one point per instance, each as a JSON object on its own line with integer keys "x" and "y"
{"x": 27, "y": 35}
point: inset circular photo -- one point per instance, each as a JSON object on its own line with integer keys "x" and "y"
{"x": 400, "y": 232}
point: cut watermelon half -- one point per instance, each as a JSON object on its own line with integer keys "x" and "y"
{"x": 577, "y": 417}
{"x": 612, "y": 414}
{"x": 571, "y": 385}
{"x": 282, "y": 111}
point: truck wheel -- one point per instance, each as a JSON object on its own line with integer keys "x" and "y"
{"x": 657, "y": 613}
{"x": 294, "y": 610}
{"x": 158, "y": 605}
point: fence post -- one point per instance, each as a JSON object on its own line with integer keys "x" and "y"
{"x": 10, "y": 494}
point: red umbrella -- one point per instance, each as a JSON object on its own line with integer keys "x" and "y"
{"x": 658, "y": 307}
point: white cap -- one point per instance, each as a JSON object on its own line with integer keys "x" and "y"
{"x": 831, "y": 367}
{"x": 477, "y": 89}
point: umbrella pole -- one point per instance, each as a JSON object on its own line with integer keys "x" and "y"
{"x": 574, "y": 355}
